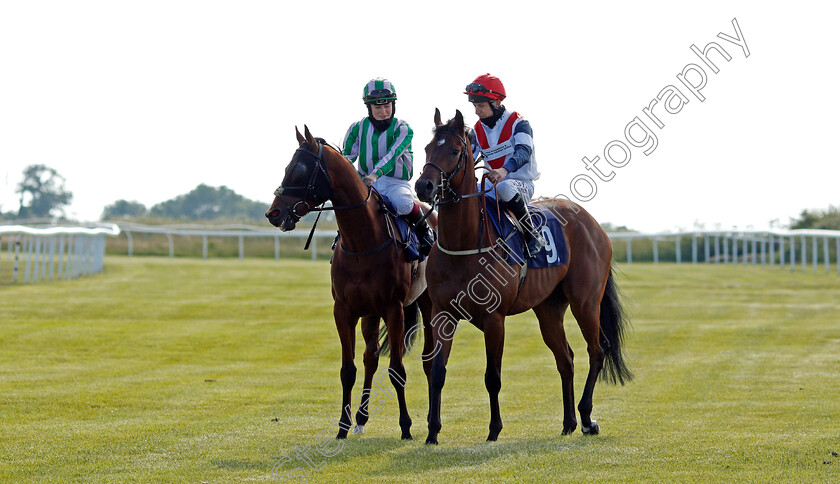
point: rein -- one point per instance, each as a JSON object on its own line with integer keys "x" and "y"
{"x": 388, "y": 223}
{"x": 311, "y": 186}
{"x": 445, "y": 184}
{"x": 312, "y": 194}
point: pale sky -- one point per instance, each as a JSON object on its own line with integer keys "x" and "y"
{"x": 145, "y": 100}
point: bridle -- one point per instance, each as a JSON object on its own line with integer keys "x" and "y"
{"x": 445, "y": 186}
{"x": 446, "y": 178}
{"x": 316, "y": 188}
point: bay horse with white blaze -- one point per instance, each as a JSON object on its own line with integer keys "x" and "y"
{"x": 371, "y": 278}
{"x": 467, "y": 251}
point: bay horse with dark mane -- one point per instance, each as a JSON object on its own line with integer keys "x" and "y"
{"x": 371, "y": 277}
{"x": 466, "y": 251}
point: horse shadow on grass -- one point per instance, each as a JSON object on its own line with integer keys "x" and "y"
{"x": 413, "y": 457}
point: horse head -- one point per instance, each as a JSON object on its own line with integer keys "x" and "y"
{"x": 447, "y": 158}
{"x": 305, "y": 186}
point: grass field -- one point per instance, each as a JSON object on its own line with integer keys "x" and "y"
{"x": 183, "y": 370}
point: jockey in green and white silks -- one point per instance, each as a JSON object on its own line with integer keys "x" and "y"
{"x": 382, "y": 145}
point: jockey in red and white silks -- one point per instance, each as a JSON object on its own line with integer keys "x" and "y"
{"x": 509, "y": 144}
{"x": 506, "y": 140}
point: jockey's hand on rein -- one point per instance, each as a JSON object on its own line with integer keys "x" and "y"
{"x": 370, "y": 179}
{"x": 498, "y": 175}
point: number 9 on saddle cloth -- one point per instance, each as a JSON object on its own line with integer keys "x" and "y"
{"x": 553, "y": 253}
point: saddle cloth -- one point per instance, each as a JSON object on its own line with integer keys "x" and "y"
{"x": 553, "y": 253}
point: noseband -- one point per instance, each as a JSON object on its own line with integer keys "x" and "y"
{"x": 446, "y": 178}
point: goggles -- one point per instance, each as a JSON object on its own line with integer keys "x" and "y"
{"x": 380, "y": 96}
{"x": 476, "y": 88}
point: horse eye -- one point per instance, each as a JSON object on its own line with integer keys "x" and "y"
{"x": 455, "y": 151}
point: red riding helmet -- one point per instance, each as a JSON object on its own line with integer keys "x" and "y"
{"x": 485, "y": 88}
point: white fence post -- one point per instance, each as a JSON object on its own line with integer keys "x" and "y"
{"x": 679, "y": 252}
{"x": 725, "y": 249}
{"x": 826, "y": 256}
{"x": 693, "y": 248}
{"x": 804, "y": 254}
{"x": 655, "y": 251}
{"x": 130, "y": 243}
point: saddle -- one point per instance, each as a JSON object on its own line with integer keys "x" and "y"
{"x": 408, "y": 240}
{"x": 553, "y": 253}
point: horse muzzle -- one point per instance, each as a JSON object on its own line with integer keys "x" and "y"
{"x": 425, "y": 190}
{"x": 277, "y": 219}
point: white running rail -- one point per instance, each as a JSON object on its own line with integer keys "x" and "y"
{"x": 38, "y": 254}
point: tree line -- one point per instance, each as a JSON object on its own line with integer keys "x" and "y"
{"x": 42, "y": 194}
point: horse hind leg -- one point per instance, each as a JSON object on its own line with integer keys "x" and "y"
{"x": 396, "y": 370}
{"x": 425, "y": 305}
{"x": 587, "y": 314}
{"x": 550, "y": 315}
{"x": 370, "y": 333}
{"x": 494, "y": 342}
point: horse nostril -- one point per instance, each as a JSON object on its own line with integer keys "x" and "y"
{"x": 271, "y": 213}
{"x": 424, "y": 189}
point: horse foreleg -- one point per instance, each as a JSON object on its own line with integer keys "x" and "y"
{"x": 437, "y": 352}
{"x": 550, "y": 315}
{"x": 370, "y": 332}
{"x": 346, "y": 326}
{"x": 428, "y": 338}
{"x": 494, "y": 343}
{"x": 395, "y": 322}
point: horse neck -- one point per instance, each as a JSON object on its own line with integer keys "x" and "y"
{"x": 360, "y": 226}
{"x": 458, "y": 222}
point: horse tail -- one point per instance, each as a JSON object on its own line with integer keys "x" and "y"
{"x": 410, "y": 321}
{"x": 614, "y": 323}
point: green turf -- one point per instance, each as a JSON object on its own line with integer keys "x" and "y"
{"x": 184, "y": 370}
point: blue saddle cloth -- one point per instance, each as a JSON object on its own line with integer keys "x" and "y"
{"x": 553, "y": 253}
{"x": 409, "y": 238}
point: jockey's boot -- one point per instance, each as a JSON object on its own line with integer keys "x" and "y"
{"x": 421, "y": 228}
{"x": 533, "y": 240}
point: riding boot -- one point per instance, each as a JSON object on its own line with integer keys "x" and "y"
{"x": 421, "y": 228}
{"x": 519, "y": 209}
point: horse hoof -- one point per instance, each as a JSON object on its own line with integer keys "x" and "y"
{"x": 431, "y": 440}
{"x": 593, "y": 429}
{"x": 407, "y": 436}
{"x": 569, "y": 430}
{"x": 359, "y": 429}
{"x": 342, "y": 434}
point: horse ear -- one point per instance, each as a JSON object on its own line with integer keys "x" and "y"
{"x": 459, "y": 120}
{"x": 438, "y": 122}
{"x": 309, "y": 138}
{"x": 300, "y": 137}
